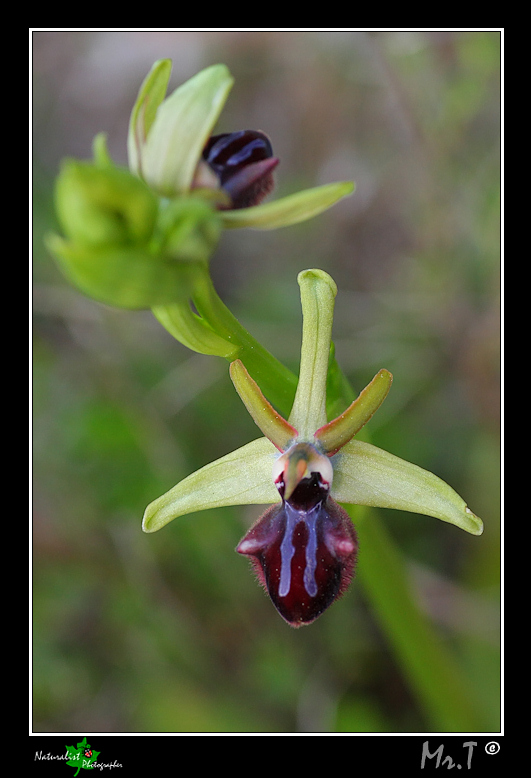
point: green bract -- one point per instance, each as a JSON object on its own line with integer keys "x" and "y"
{"x": 167, "y": 136}
{"x": 362, "y": 474}
{"x": 121, "y": 243}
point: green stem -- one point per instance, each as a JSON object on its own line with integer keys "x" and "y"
{"x": 275, "y": 380}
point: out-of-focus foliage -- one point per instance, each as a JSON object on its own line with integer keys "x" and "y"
{"x": 169, "y": 632}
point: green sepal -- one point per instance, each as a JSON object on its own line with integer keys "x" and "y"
{"x": 243, "y": 477}
{"x": 294, "y": 208}
{"x": 367, "y": 475}
{"x": 151, "y": 94}
{"x": 167, "y": 148}
{"x": 188, "y": 229}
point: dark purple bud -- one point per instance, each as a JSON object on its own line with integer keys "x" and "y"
{"x": 243, "y": 162}
{"x": 304, "y": 552}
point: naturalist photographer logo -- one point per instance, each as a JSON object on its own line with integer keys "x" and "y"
{"x": 81, "y": 757}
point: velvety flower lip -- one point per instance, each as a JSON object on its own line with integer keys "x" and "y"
{"x": 167, "y": 139}
{"x": 303, "y": 552}
{"x": 305, "y": 466}
{"x": 243, "y": 162}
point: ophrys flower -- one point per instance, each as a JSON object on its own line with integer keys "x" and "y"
{"x": 170, "y": 147}
{"x": 304, "y": 547}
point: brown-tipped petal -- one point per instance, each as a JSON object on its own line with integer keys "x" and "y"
{"x": 337, "y": 433}
{"x": 274, "y": 427}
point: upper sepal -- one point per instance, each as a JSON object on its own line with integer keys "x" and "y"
{"x": 167, "y": 134}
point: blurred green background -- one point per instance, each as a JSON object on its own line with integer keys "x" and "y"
{"x": 169, "y": 632}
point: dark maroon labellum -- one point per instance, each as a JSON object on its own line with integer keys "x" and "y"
{"x": 304, "y": 552}
{"x": 244, "y": 164}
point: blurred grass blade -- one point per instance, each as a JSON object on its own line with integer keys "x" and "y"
{"x": 433, "y": 672}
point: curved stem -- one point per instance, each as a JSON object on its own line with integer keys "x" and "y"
{"x": 277, "y": 382}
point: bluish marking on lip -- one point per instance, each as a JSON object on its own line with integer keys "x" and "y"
{"x": 287, "y": 551}
{"x": 288, "y": 547}
{"x": 310, "y": 584}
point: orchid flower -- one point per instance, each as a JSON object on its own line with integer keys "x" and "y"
{"x": 304, "y": 547}
{"x": 171, "y": 147}
{"x": 143, "y": 237}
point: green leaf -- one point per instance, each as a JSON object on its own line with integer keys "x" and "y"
{"x": 288, "y": 210}
{"x": 435, "y": 676}
{"x": 193, "y": 331}
{"x": 77, "y": 758}
{"x": 243, "y": 477}
{"x": 367, "y": 475}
